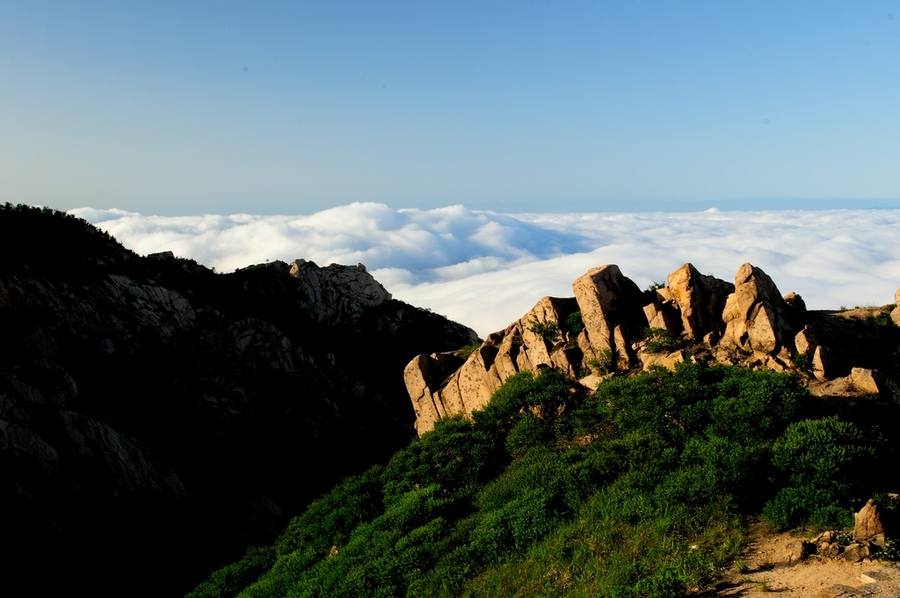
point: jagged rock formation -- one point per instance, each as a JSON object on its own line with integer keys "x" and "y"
{"x": 700, "y": 299}
{"x": 440, "y": 385}
{"x": 895, "y": 313}
{"x": 696, "y": 316}
{"x": 868, "y": 526}
{"x": 755, "y": 314}
{"x": 156, "y": 418}
{"x": 337, "y": 293}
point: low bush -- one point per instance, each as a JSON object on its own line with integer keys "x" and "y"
{"x": 230, "y": 580}
{"x": 801, "y": 361}
{"x": 604, "y": 363}
{"x": 637, "y": 490}
{"x": 574, "y": 323}
{"x": 818, "y": 461}
{"x": 549, "y": 331}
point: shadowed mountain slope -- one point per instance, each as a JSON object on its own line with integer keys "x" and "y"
{"x": 156, "y": 417}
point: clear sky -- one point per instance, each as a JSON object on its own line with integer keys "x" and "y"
{"x": 268, "y": 107}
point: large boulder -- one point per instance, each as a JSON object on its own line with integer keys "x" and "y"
{"x": 666, "y": 360}
{"x": 700, "y": 299}
{"x": 755, "y": 315}
{"x": 866, "y": 380}
{"x": 612, "y": 309}
{"x": 423, "y": 376}
{"x": 824, "y": 363}
{"x": 806, "y": 341}
{"x": 868, "y": 527}
{"x": 663, "y": 315}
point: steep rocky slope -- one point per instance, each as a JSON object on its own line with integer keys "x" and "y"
{"x": 611, "y": 326}
{"x": 157, "y": 417}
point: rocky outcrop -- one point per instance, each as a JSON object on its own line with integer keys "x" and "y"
{"x": 895, "y": 313}
{"x": 695, "y": 317}
{"x": 868, "y": 527}
{"x": 666, "y": 360}
{"x": 439, "y": 386}
{"x": 700, "y": 299}
{"x": 612, "y": 310}
{"x": 612, "y": 319}
{"x": 663, "y": 315}
{"x": 868, "y": 536}
{"x": 861, "y": 382}
{"x": 337, "y": 293}
{"x": 755, "y": 315}
{"x": 423, "y": 376}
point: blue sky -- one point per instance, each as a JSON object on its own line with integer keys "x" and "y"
{"x": 186, "y": 108}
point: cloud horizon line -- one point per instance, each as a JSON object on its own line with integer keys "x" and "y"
{"x": 486, "y": 269}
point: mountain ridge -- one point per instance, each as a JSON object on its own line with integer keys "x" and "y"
{"x": 151, "y": 409}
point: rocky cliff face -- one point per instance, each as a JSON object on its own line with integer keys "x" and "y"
{"x": 156, "y": 417}
{"x": 610, "y": 327}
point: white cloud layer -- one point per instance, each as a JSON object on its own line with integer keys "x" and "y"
{"x": 485, "y": 269}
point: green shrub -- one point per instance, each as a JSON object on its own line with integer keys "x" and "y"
{"x": 528, "y": 432}
{"x": 574, "y": 323}
{"x": 604, "y": 363}
{"x": 330, "y": 520}
{"x": 801, "y": 361}
{"x": 819, "y": 459}
{"x": 549, "y": 331}
{"x": 455, "y": 455}
{"x": 821, "y": 453}
{"x": 230, "y": 580}
{"x": 883, "y": 318}
{"x": 545, "y": 394}
{"x": 809, "y": 506}
{"x": 517, "y": 340}
{"x": 633, "y": 491}
{"x": 659, "y": 340}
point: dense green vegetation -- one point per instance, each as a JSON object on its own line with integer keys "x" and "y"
{"x": 636, "y": 491}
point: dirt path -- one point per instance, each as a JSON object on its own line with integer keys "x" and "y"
{"x": 765, "y": 571}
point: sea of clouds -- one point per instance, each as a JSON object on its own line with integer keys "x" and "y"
{"x": 486, "y": 269}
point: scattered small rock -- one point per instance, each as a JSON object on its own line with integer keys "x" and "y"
{"x": 794, "y": 553}
{"x": 866, "y": 380}
{"x": 855, "y": 552}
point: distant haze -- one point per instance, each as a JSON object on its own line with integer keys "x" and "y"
{"x": 486, "y": 269}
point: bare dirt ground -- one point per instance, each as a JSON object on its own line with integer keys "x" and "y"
{"x": 765, "y": 571}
